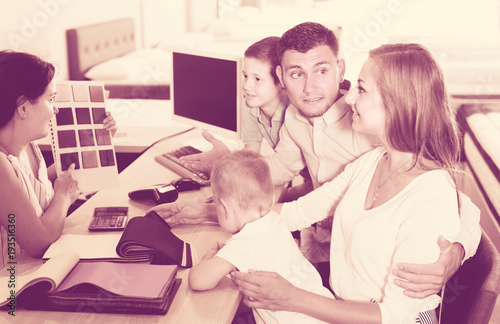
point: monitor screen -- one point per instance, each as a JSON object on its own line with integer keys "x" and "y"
{"x": 205, "y": 91}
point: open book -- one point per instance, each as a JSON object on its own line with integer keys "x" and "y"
{"x": 64, "y": 283}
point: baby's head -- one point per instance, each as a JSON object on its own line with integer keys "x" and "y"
{"x": 242, "y": 189}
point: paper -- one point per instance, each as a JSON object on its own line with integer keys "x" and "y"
{"x": 78, "y": 135}
{"x": 86, "y": 246}
{"x": 53, "y": 271}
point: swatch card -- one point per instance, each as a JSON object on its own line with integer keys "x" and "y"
{"x": 78, "y": 135}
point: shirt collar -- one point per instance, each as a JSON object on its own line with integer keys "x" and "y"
{"x": 264, "y": 223}
{"x": 337, "y": 111}
{"x": 279, "y": 114}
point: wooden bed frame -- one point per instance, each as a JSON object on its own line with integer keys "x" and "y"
{"x": 93, "y": 44}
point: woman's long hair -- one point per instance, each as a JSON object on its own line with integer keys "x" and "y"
{"x": 419, "y": 117}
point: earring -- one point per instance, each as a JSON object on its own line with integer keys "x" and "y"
{"x": 23, "y": 117}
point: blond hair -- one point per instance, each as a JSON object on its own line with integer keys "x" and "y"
{"x": 244, "y": 177}
{"x": 419, "y": 117}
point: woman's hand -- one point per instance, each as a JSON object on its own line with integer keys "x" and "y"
{"x": 263, "y": 289}
{"x": 67, "y": 185}
{"x": 110, "y": 124}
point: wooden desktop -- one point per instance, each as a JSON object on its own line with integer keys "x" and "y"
{"x": 216, "y": 306}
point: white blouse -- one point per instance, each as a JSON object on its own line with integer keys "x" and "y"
{"x": 39, "y": 191}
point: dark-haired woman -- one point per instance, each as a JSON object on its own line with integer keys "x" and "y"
{"x": 33, "y": 205}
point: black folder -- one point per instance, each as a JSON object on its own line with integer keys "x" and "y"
{"x": 151, "y": 235}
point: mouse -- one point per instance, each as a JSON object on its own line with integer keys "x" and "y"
{"x": 186, "y": 184}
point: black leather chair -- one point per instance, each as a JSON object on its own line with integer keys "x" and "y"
{"x": 471, "y": 293}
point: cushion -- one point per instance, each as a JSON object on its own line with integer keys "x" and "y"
{"x": 149, "y": 63}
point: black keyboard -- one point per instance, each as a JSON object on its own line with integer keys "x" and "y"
{"x": 171, "y": 161}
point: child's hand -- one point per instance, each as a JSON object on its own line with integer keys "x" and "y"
{"x": 212, "y": 251}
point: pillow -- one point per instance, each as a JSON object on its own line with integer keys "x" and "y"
{"x": 114, "y": 69}
{"x": 131, "y": 64}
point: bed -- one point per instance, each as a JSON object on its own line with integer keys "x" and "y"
{"x": 107, "y": 52}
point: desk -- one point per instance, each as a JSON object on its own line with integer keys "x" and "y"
{"x": 216, "y": 306}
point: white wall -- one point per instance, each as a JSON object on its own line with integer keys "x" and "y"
{"x": 39, "y": 26}
{"x": 367, "y": 24}
{"x": 448, "y": 25}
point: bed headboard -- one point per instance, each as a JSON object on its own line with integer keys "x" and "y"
{"x": 93, "y": 44}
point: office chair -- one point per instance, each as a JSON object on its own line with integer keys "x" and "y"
{"x": 470, "y": 294}
{"x": 345, "y": 85}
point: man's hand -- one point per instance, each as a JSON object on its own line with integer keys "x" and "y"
{"x": 423, "y": 280}
{"x": 205, "y": 161}
{"x": 263, "y": 289}
{"x": 180, "y": 213}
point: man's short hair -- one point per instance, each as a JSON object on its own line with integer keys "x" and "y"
{"x": 306, "y": 36}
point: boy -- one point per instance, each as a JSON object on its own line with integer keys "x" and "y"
{"x": 265, "y": 98}
{"x": 243, "y": 195}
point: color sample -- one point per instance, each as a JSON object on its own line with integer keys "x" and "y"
{"x": 89, "y": 159}
{"x": 96, "y": 94}
{"x": 83, "y": 116}
{"x": 107, "y": 158}
{"x": 86, "y": 137}
{"x": 81, "y": 93}
{"x": 98, "y": 114}
{"x": 67, "y": 138}
{"x": 67, "y": 159}
{"x": 65, "y": 116}
{"x": 63, "y": 93}
{"x": 103, "y": 137}
{"x": 78, "y": 136}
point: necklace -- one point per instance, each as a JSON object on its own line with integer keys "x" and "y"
{"x": 375, "y": 193}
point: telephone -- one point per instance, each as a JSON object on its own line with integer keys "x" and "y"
{"x": 160, "y": 194}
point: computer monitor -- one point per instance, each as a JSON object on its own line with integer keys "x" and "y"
{"x": 206, "y": 91}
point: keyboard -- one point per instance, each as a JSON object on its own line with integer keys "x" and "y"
{"x": 171, "y": 161}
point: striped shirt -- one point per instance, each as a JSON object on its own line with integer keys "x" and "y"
{"x": 39, "y": 191}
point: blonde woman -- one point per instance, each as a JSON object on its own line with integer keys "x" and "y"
{"x": 395, "y": 201}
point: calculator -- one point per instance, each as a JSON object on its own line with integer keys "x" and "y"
{"x": 109, "y": 219}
